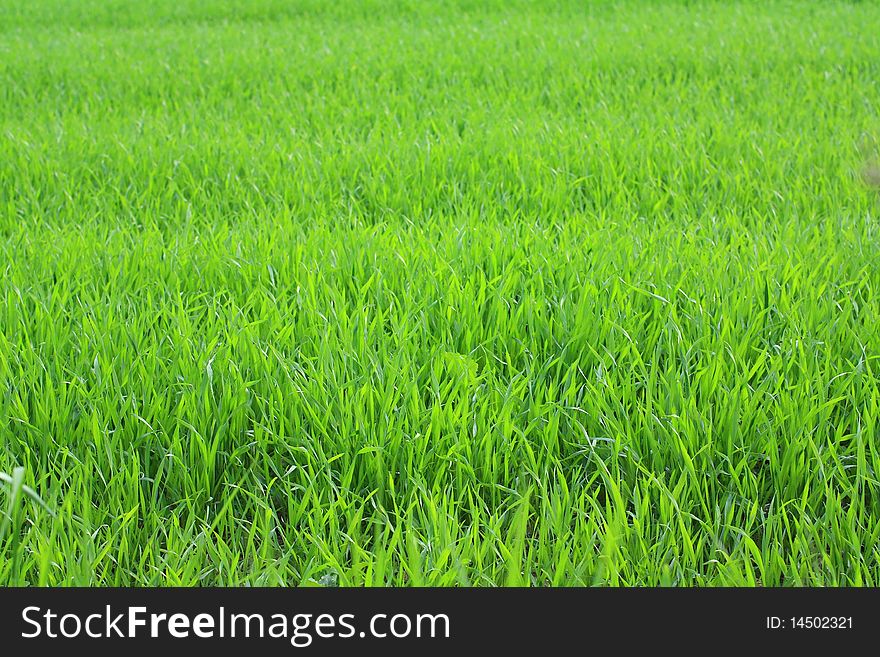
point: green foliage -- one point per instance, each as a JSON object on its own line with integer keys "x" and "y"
{"x": 438, "y": 293}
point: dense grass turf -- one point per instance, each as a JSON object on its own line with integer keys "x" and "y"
{"x": 438, "y": 293}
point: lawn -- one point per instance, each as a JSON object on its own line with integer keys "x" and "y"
{"x": 403, "y": 292}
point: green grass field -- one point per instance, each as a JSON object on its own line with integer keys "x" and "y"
{"x": 439, "y": 293}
